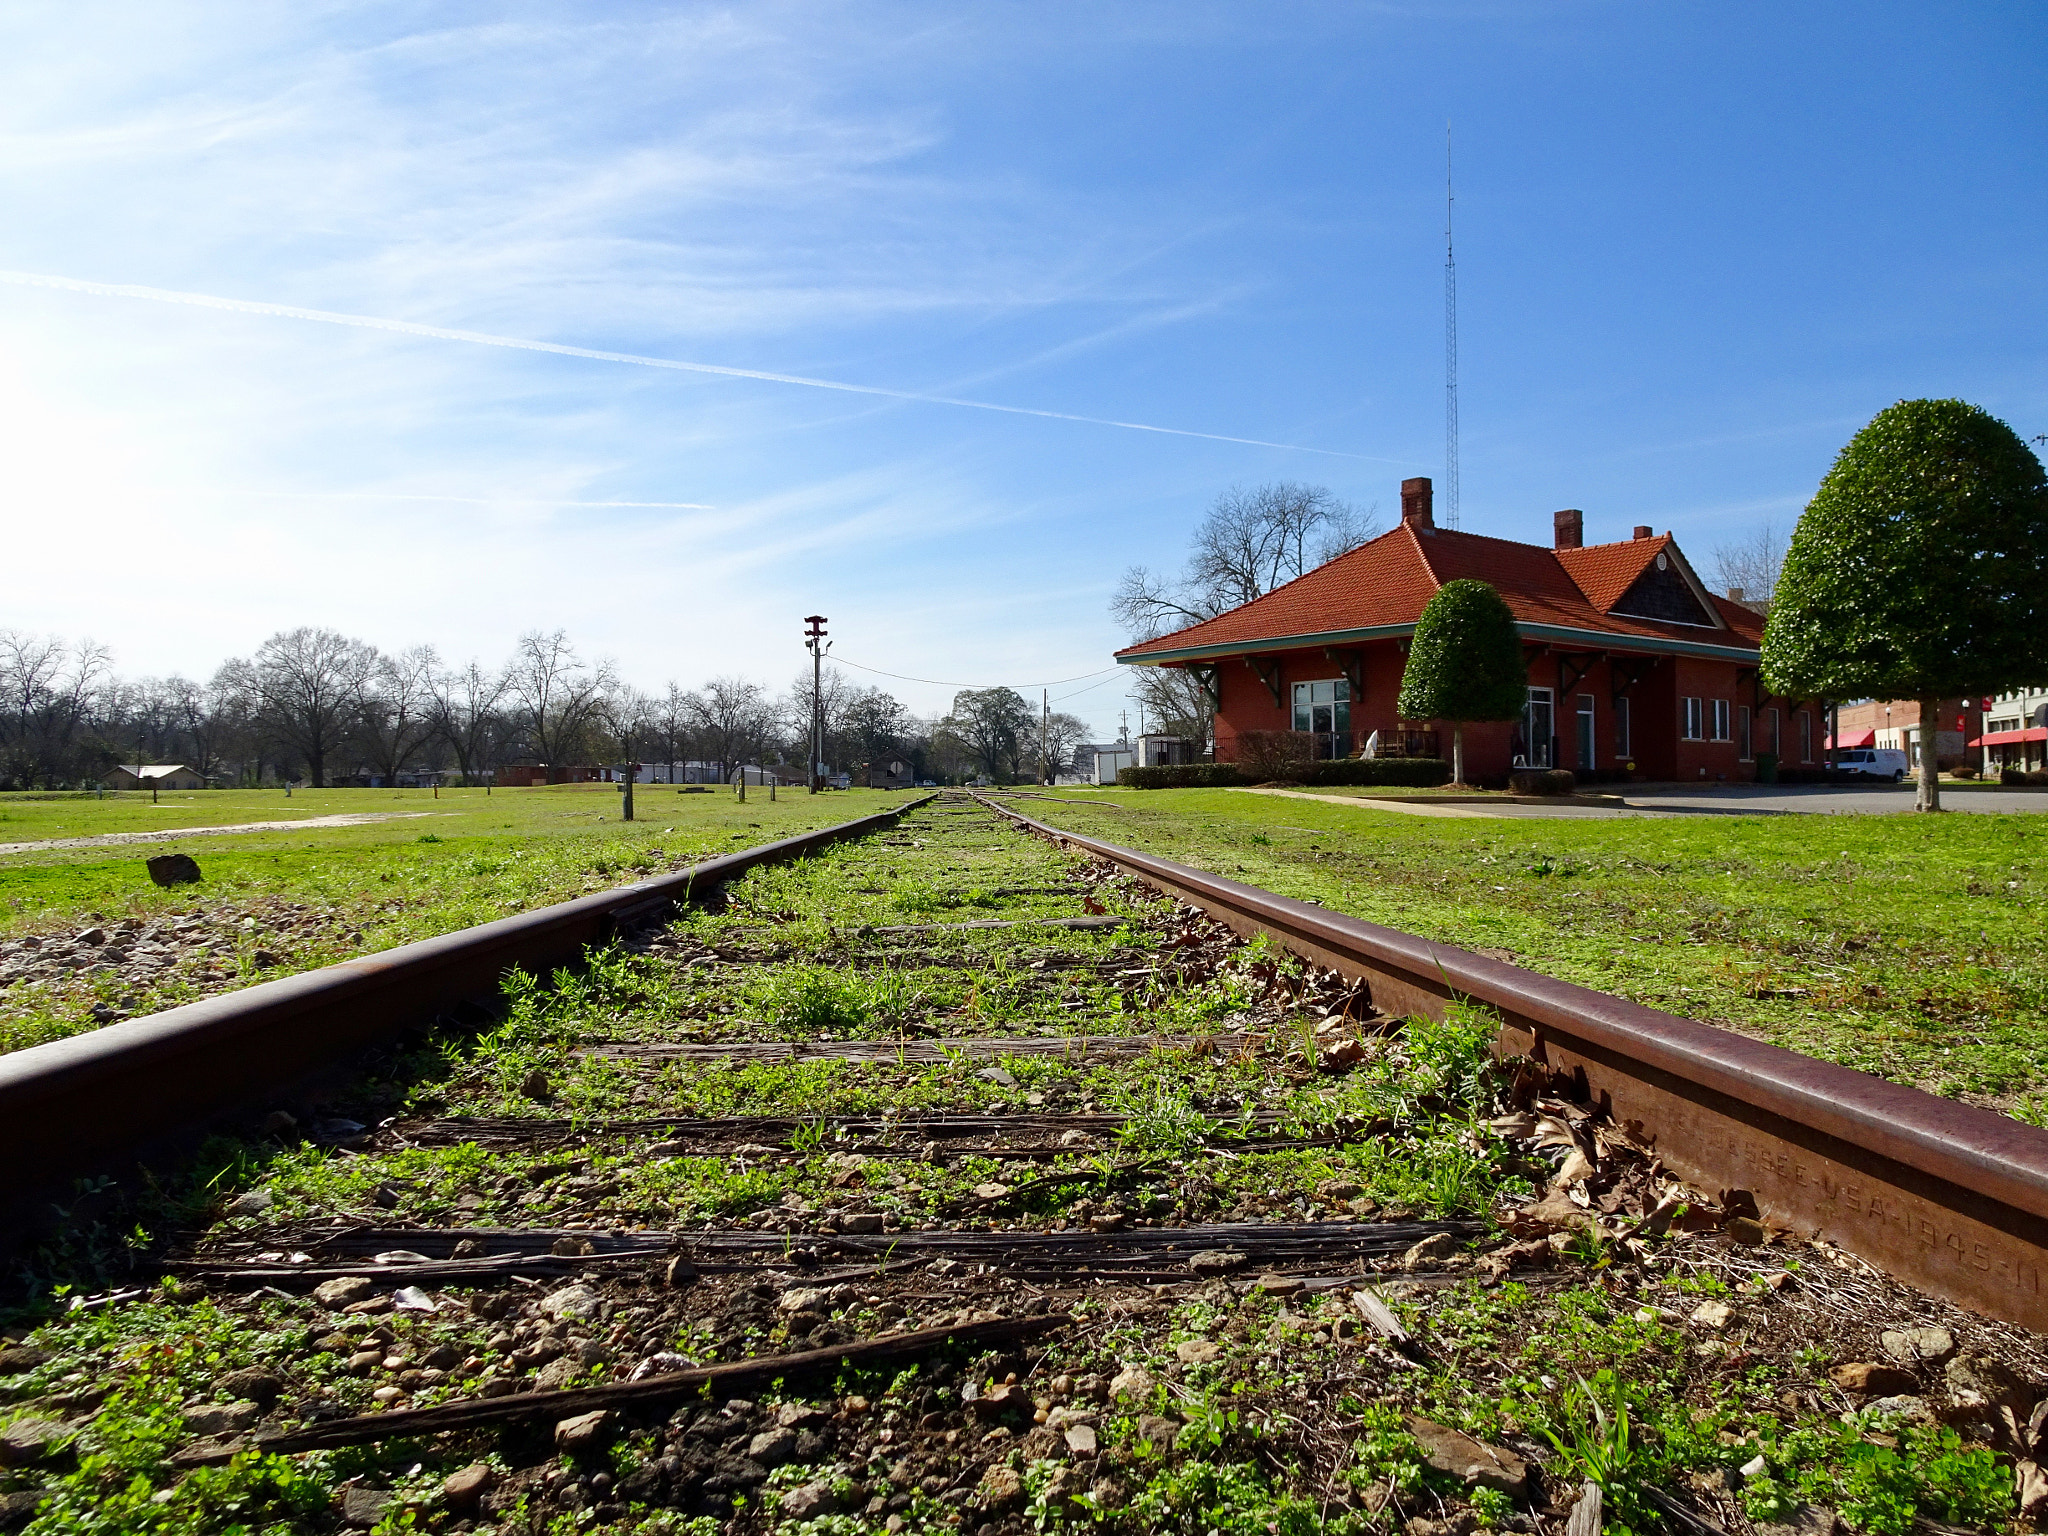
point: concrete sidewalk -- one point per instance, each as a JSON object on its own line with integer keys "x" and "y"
{"x": 1717, "y": 800}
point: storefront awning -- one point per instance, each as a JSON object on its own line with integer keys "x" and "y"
{"x": 1855, "y": 739}
{"x": 2010, "y": 738}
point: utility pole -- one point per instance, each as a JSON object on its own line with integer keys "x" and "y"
{"x": 1044, "y": 736}
{"x": 632, "y": 772}
{"x": 814, "y": 642}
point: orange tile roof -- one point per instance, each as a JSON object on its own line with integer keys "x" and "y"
{"x": 1389, "y": 581}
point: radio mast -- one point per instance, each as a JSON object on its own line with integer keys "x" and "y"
{"x": 1450, "y": 499}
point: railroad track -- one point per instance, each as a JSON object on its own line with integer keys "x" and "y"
{"x": 949, "y": 1170}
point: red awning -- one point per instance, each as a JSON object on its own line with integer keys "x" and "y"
{"x": 1858, "y": 739}
{"x": 2010, "y": 738}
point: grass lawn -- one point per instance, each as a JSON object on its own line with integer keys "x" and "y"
{"x": 1910, "y": 947}
{"x": 308, "y": 898}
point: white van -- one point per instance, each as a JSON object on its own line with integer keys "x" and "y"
{"x": 1872, "y": 762}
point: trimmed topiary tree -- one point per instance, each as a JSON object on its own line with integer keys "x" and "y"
{"x": 1918, "y": 571}
{"x": 1465, "y": 663}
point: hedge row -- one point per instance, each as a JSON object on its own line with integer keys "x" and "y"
{"x": 1389, "y": 772}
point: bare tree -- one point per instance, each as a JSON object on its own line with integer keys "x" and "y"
{"x": 468, "y": 718}
{"x": 48, "y": 693}
{"x": 1250, "y": 542}
{"x": 309, "y": 685}
{"x": 400, "y": 708}
{"x": 1173, "y": 702}
{"x": 1063, "y": 732}
{"x": 991, "y": 725}
{"x": 733, "y": 717}
{"x": 1750, "y": 565}
{"x": 668, "y": 722}
{"x": 558, "y": 698}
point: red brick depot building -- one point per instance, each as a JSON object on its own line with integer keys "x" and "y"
{"x": 1636, "y": 670}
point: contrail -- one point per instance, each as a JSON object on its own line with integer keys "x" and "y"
{"x": 519, "y": 343}
{"x": 483, "y": 501}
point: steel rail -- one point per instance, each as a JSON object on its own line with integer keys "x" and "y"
{"x": 96, "y": 1101}
{"x": 1951, "y": 1198}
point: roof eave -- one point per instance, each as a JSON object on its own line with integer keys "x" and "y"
{"x": 1604, "y": 638}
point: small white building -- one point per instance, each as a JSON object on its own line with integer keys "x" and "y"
{"x": 1111, "y": 760}
{"x": 154, "y": 776}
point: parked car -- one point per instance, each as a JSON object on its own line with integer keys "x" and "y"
{"x": 1873, "y": 762}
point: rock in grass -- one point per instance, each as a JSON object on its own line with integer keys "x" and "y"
{"x": 364, "y": 1507}
{"x": 464, "y": 1490}
{"x": 536, "y": 1086}
{"x": 585, "y": 1433}
{"x": 1878, "y": 1380}
{"x": 1713, "y": 1314}
{"x": 254, "y": 1203}
{"x": 570, "y": 1301}
{"x": 1001, "y": 1488}
{"x": 28, "y": 1441}
{"x": 809, "y": 1501}
{"x": 1133, "y": 1381}
{"x": 24, "y": 1358}
{"x": 345, "y": 1291}
{"x": 1473, "y": 1462}
{"x": 253, "y": 1383}
{"x": 1217, "y": 1261}
{"x": 1198, "y": 1351}
{"x": 222, "y": 1418}
{"x": 1908, "y": 1345}
{"x": 1081, "y": 1440}
{"x": 169, "y": 869}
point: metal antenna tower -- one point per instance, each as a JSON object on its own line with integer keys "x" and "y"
{"x": 1450, "y": 502}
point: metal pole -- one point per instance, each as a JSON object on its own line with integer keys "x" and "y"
{"x": 814, "y": 640}
{"x": 632, "y": 772}
{"x": 1044, "y": 737}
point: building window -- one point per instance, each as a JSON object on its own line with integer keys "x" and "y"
{"x": 1585, "y": 762}
{"x": 1622, "y": 748}
{"x": 1721, "y": 720}
{"x": 1539, "y": 731}
{"x": 1805, "y": 736}
{"x": 1692, "y": 723}
{"x": 1742, "y": 733}
{"x": 1323, "y": 710}
{"x": 1771, "y": 743}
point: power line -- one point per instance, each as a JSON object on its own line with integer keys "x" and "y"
{"x": 940, "y": 683}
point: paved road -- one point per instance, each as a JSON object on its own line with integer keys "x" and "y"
{"x": 310, "y": 824}
{"x": 1721, "y": 800}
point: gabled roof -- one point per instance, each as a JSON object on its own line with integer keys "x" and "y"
{"x": 1382, "y": 588}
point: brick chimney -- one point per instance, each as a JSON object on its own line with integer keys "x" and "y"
{"x": 1417, "y": 499}
{"x": 1642, "y": 532}
{"x": 1568, "y": 529}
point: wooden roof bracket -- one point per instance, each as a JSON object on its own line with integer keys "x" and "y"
{"x": 1569, "y": 677}
{"x": 1208, "y": 676}
{"x": 1268, "y": 674}
{"x": 1352, "y": 665}
{"x": 1623, "y": 675}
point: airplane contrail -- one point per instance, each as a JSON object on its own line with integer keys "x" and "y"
{"x": 481, "y": 501}
{"x": 523, "y": 344}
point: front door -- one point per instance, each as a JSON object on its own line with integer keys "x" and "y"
{"x": 1539, "y": 729}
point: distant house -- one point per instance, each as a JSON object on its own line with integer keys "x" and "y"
{"x": 1635, "y": 669}
{"x": 155, "y": 776}
{"x": 888, "y": 773}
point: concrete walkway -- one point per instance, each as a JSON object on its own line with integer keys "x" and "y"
{"x": 311, "y": 823}
{"x": 1718, "y": 800}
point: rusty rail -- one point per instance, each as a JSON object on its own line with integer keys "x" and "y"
{"x": 97, "y": 1100}
{"x": 1951, "y": 1198}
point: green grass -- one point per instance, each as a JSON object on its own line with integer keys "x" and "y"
{"x": 1910, "y": 947}
{"x": 455, "y": 860}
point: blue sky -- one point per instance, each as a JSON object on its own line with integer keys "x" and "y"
{"x": 1698, "y": 246}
